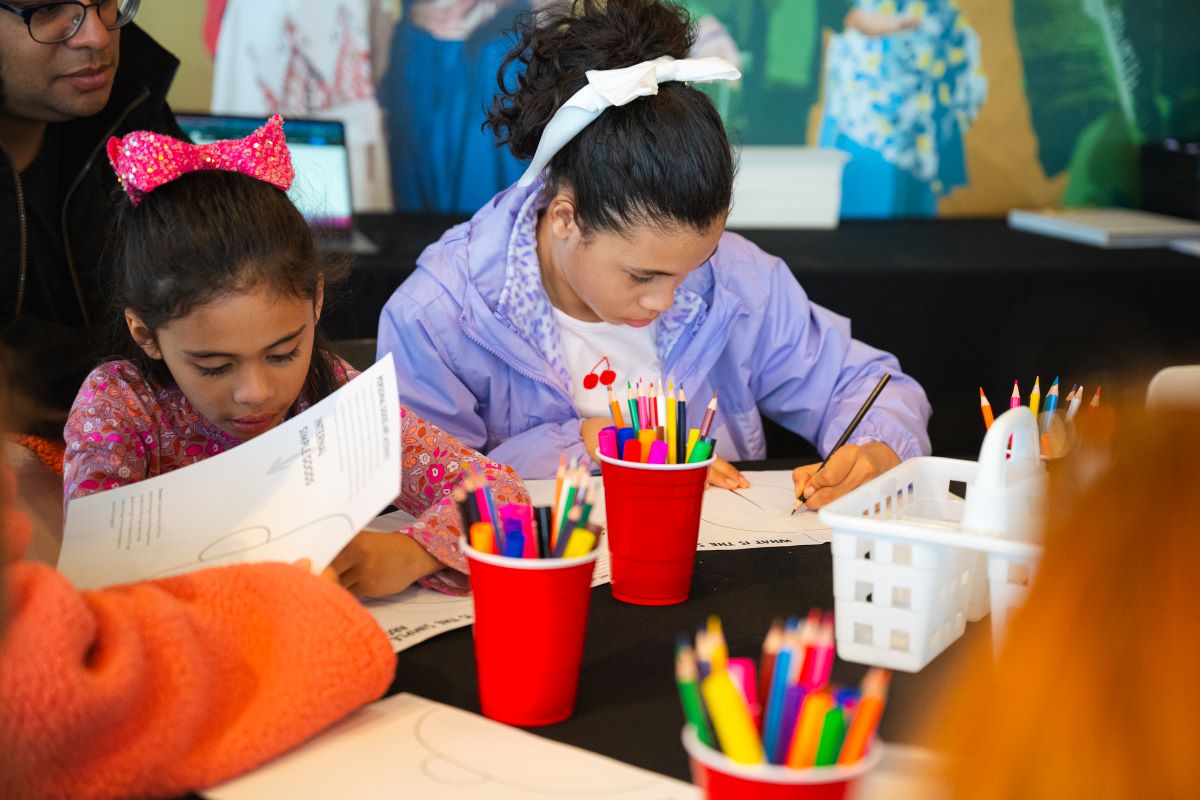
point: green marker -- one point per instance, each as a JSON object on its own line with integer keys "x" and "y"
{"x": 831, "y": 738}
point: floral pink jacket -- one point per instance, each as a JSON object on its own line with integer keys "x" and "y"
{"x": 123, "y": 429}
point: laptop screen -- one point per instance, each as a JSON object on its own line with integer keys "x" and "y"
{"x": 321, "y": 189}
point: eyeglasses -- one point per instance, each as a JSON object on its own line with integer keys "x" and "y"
{"x": 50, "y": 23}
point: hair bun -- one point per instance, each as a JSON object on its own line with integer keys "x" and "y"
{"x": 558, "y": 46}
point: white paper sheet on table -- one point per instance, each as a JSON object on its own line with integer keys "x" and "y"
{"x": 417, "y": 613}
{"x": 301, "y": 490}
{"x": 407, "y": 746}
{"x": 760, "y": 516}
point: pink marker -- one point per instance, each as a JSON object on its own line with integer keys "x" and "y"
{"x": 658, "y": 452}
{"x": 608, "y": 442}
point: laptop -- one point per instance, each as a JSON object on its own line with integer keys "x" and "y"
{"x": 321, "y": 190}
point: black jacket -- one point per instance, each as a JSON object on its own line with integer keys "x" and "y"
{"x": 51, "y": 357}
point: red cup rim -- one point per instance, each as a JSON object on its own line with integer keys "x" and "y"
{"x": 512, "y": 562}
{"x": 774, "y": 773}
{"x": 655, "y": 467}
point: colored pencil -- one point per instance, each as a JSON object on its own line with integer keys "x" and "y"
{"x": 1095, "y": 399}
{"x": 986, "y": 407}
{"x": 618, "y": 418}
{"x": 681, "y": 429}
{"x": 672, "y": 443}
{"x": 709, "y": 413}
{"x": 687, "y": 676}
{"x": 866, "y": 717}
{"x": 634, "y": 422}
{"x": 862, "y": 412}
{"x": 1076, "y": 402}
{"x": 1035, "y": 395}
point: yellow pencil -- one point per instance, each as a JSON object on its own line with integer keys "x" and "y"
{"x": 693, "y": 437}
{"x": 731, "y": 719}
{"x": 672, "y": 445}
{"x": 1035, "y": 396}
{"x": 720, "y": 650}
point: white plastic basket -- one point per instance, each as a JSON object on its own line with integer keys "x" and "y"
{"x": 912, "y": 560}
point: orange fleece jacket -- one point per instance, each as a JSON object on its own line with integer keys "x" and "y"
{"x": 158, "y": 688}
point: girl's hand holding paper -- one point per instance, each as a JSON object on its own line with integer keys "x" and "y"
{"x": 724, "y": 475}
{"x": 848, "y": 468}
{"x": 377, "y": 564}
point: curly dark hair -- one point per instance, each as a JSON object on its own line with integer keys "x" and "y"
{"x": 662, "y": 160}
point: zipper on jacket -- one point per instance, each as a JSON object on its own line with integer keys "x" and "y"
{"x": 539, "y": 378}
{"x": 87, "y": 165}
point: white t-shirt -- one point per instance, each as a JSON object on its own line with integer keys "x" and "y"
{"x": 593, "y": 347}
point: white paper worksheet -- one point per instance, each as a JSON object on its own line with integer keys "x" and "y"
{"x": 407, "y": 746}
{"x": 301, "y": 490}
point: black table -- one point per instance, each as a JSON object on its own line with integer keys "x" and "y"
{"x": 627, "y": 706}
{"x": 962, "y": 303}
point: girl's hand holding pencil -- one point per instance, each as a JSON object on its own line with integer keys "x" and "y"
{"x": 848, "y": 468}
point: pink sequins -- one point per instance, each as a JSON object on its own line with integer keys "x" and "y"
{"x": 144, "y": 160}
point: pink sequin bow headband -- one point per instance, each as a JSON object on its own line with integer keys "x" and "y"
{"x": 145, "y": 161}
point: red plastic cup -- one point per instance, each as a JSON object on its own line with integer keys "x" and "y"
{"x": 722, "y": 779}
{"x": 530, "y": 620}
{"x": 652, "y": 513}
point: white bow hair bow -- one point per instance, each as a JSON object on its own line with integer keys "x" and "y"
{"x": 616, "y": 87}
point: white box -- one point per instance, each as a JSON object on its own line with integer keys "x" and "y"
{"x": 787, "y": 187}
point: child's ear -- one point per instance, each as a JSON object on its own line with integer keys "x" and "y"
{"x": 142, "y": 335}
{"x": 561, "y": 213}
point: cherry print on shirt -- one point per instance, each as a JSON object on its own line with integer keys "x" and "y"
{"x": 607, "y": 377}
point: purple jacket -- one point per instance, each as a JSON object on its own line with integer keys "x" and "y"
{"x": 752, "y": 335}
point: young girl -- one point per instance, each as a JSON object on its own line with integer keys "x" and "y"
{"x": 221, "y": 290}
{"x": 161, "y": 687}
{"x": 615, "y": 258}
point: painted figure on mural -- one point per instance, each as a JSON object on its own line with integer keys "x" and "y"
{"x": 903, "y": 84}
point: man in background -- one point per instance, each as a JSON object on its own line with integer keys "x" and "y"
{"x": 71, "y": 75}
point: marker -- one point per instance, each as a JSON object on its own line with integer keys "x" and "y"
{"x": 862, "y": 412}
{"x": 831, "y": 738}
{"x": 581, "y": 543}
{"x": 608, "y": 442}
{"x": 693, "y": 436}
{"x": 658, "y": 453}
{"x": 986, "y": 407}
{"x": 482, "y": 538}
{"x": 731, "y": 719}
